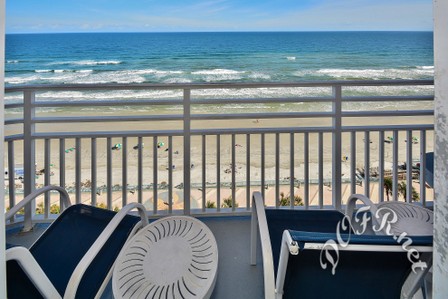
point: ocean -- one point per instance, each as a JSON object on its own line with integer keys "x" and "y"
{"x": 214, "y": 57}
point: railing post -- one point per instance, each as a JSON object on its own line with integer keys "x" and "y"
{"x": 93, "y": 170}
{"x": 61, "y": 169}
{"x": 78, "y": 170}
{"x": 187, "y": 150}
{"x": 29, "y": 160}
{"x": 367, "y": 163}
{"x": 154, "y": 175}
{"x": 109, "y": 178}
{"x": 381, "y": 167}
{"x": 337, "y": 147}
{"x": 395, "y": 166}
{"x": 306, "y": 169}
{"x": 124, "y": 173}
{"x": 409, "y": 166}
{"x": 11, "y": 175}
{"x": 422, "y": 167}
{"x": 47, "y": 181}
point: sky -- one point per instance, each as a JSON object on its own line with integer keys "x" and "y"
{"x": 51, "y": 16}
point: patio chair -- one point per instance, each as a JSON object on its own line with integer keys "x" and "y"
{"x": 310, "y": 261}
{"x": 74, "y": 257}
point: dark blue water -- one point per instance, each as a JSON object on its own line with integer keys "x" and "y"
{"x": 216, "y": 57}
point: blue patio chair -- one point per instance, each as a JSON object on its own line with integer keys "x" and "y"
{"x": 303, "y": 256}
{"x": 74, "y": 257}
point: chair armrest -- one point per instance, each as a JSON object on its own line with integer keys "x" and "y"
{"x": 288, "y": 246}
{"x": 32, "y": 269}
{"x": 64, "y": 195}
{"x": 87, "y": 259}
{"x": 259, "y": 220}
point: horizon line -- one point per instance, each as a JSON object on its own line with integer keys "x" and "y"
{"x": 223, "y": 31}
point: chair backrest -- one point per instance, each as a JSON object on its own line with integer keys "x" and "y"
{"x": 65, "y": 242}
{"x": 373, "y": 273}
{"x": 302, "y": 220}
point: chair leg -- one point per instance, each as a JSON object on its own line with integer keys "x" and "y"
{"x": 288, "y": 247}
{"x": 253, "y": 237}
{"x": 259, "y": 225}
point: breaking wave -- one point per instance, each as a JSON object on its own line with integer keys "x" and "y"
{"x": 88, "y": 62}
{"x": 73, "y": 76}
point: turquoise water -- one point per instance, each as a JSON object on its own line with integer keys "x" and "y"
{"x": 215, "y": 57}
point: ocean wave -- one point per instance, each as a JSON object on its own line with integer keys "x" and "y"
{"x": 86, "y": 76}
{"x": 63, "y": 71}
{"x": 216, "y": 75}
{"x": 110, "y": 95}
{"x": 112, "y": 77}
{"x": 93, "y": 62}
{"x": 373, "y": 74}
{"x": 216, "y": 72}
{"x": 177, "y": 80}
{"x": 259, "y": 75}
{"x": 426, "y": 67}
{"x": 130, "y": 95}
{"x": 88, "y": 62}
{"x": 21, "y": 79}
{"x": 290, "y": 57}
{"x": 72, "y": 76}
{"x": 12, "y": 61}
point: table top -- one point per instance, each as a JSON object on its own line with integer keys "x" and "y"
{"x": 411, "y": 219}
{"x": 173, "y": 257}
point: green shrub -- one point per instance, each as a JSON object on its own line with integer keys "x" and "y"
{"x": 286, "y": 201}
{"x": 210, "y": 204}
{"x": 228, "y": 203}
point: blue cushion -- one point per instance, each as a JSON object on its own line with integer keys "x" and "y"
{"x": 302, "y": 220}
{"x": 358, "y": 274}
{"x": 315, "y": 237}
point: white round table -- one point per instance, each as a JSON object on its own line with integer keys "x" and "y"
{"x": 173, "y": 257}
{"x": 411, "y": 219}
{"x": 403, "y": 217}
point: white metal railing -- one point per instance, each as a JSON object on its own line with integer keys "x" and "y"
{"x": 37, "y": 126}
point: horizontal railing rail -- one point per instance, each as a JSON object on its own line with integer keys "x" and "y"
{"x": 224, "y": 144}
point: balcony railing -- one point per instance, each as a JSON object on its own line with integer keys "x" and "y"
{"x": 206, "y": 147}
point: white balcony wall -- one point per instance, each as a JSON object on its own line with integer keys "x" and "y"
{"x": 441, "y": 150}
{"x": 2, "y": 134}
